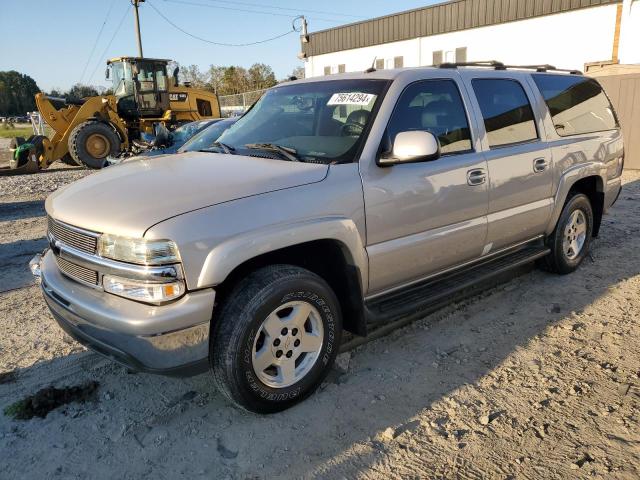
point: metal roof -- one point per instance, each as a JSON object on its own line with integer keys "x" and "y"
{"x": 437, "y": 19}
{"x": 135, "y": 59}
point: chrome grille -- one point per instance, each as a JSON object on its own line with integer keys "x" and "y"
{"x": 77, "y": 272}
{"x": 72, "y": 237}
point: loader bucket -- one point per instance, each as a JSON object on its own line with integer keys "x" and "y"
{"x": 24, "y": 159}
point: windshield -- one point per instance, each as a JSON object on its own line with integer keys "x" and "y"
{"x": 186, "y": 131}
{"x": 122, "y": 79}
{"x": 207, "y": 137}
{"x": 320, "y": 121}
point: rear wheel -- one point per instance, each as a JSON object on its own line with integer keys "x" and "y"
{"x": 570, "y": 240}
{"x": 90, "y": 143}
{"x": 275, "y": 338}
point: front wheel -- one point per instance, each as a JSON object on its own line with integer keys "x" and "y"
{"x": 91, "y": 142}
{"x": 570, "y": 240}
{"x": 275, "y": 338}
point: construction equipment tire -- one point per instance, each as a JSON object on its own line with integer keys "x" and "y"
{"x": 91, "y": 142}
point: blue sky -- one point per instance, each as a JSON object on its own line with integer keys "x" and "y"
{"x": 52, "y": 40}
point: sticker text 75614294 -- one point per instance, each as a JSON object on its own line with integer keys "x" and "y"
{"x": 352, "y": 98}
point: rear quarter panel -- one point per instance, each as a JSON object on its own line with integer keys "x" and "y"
{"x": 580, "y": 156}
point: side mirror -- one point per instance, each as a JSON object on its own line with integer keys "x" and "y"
{"x": 106, "y": 73}
{"x": 410, "y": 147}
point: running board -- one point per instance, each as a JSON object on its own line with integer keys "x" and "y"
{"x": 421, "y": 297}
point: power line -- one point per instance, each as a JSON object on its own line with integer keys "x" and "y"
{"x": 274, "y": 14}
{"x": 101, "y": 59}
{"x": 95, "y": 44}
{"x": 293, "y": 30}
{"x": 306, "y": 10}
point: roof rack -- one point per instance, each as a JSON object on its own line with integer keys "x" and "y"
{"x": 501, "y": 66}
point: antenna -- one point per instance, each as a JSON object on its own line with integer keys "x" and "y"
{"x": 372, "y": 68}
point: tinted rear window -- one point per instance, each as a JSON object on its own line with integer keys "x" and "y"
{"x": 577, "y": 104}
{"x": 507, "y": 113}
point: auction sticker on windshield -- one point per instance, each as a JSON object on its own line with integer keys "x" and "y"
{"x": 353, "y": 98}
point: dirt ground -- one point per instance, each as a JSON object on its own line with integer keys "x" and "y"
{"x": 538, "y": 378}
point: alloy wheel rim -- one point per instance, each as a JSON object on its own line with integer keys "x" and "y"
{"x": 97, "y": 145}
{"x": 287, "y": 344}
{"x": 575, "y": 234}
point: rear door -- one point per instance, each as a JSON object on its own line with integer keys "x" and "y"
{"x": 518, "y": 158}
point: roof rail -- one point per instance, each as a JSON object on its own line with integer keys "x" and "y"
{"x": 488, "y": 63}
{"x": 501, "y": 66}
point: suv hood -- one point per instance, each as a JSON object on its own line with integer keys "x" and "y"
{"x": 129, "y": 198}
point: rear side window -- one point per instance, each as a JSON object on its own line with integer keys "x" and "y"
{"x": 577, "y": 104}
{"x": 508, "y": 117}
{"x": 434, "y": 106}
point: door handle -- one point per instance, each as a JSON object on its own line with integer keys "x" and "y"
{"x": 476, "y": 176}
{"x": 540, "y": 165}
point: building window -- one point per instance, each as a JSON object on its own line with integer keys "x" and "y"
{"x": 398, "y": 62}
{"x": 461, "y": 54}
{"x": 437, "y": 57}
{"x": 327, "y": 70}
{"x": 342, "y": 68}
{"x": 380, "y": 64}
{"x": 507, "y": 113}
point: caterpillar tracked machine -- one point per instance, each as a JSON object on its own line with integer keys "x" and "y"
{"x": 87, "y": 131}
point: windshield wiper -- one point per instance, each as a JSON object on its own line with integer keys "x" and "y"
{"x": 287, "y": 152}
{"x": 228, "y": 149}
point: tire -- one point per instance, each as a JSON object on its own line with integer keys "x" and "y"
{"x": 91, "y": 142}
{"x": 563, "y": 258}
{"x": 15, "y": 143}
{"x": 241, "y": 331}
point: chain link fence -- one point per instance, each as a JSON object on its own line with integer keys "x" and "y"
{"x": 239, "y": 103}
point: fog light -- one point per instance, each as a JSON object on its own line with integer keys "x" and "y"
{"x": 143, "y": 291}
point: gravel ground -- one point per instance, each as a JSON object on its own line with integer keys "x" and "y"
{"x": 537, "y": 378}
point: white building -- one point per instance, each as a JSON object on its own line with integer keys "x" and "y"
{"x": 565, "y": 33}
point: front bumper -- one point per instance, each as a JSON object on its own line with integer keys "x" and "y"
{"x": 171, "y": 339}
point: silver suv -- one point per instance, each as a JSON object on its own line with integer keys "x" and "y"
{"x": 334, "y": 203}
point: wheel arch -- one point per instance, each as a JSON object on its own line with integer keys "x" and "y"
{"x": 586, "y": 179}
{"x": 329, "y": 258}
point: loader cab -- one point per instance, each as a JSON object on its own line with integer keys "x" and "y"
{"x": 140, "y": 85}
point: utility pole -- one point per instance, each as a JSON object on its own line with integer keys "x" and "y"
{"x": 135, "y": 4}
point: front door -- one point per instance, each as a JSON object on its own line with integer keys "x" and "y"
{"x": 151, "y": 88}
{"x": 425, "y": 217}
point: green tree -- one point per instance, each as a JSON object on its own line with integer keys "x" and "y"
{"x": 82, "y": 91}
{"x": 17, "y": 92}
{"x": 260, "y": 76}
{"x": 234, "y": 80}
{"x": 193, "y": 75}
{"x": 216, "y": 77}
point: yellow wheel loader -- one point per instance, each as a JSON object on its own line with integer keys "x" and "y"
{"x": 87, "y": 131}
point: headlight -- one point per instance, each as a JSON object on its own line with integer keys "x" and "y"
{"x": 142, "y": 291}
{"x": 138, "y": 250}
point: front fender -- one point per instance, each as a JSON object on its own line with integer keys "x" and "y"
{"x": 568, "y": 179}
{"x": 229, "y": 254}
